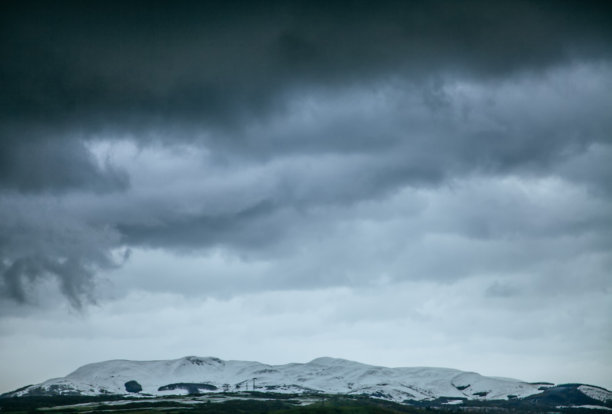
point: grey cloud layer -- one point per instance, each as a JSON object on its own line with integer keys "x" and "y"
{"x": 254, "y": 124}
{"x": 204, "y": 71}
{"x": 136, "y": 65}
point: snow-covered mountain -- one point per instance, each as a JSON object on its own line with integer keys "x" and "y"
{"x": 326, "y": 375}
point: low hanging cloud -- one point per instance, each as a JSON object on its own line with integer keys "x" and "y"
{"x": 41, "y": 238}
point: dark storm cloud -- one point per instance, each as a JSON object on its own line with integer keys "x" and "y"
{"x": 93, "y": 64}
{"x": 143, "y": 67}
{"x": 220, "y": 77}
{"x": 175, "y": 71}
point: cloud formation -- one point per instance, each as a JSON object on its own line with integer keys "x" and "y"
{"x": 243, "y": 151}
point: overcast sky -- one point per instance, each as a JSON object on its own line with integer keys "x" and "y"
{"x": 424, "y": 183}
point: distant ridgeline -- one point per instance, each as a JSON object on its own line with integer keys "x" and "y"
{"x": 194, "y": 376}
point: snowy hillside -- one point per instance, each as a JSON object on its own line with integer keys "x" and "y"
{"x": 327, "y": 375}
{"x": 596, "y": 393}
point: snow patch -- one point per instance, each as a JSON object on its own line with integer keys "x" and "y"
{"x": 596, "y": 393}
{"x": 591, "y": 407}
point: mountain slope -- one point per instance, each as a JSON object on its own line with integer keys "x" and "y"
{"x": 191, "y": 375}
{"x": 328, "y": 375}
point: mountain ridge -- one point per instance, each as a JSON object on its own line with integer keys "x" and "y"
{"x": 328, "y": 375}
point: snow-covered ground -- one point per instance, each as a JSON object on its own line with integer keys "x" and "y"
{"x": 327, "y": 375}
{"x": 596, "y": 393}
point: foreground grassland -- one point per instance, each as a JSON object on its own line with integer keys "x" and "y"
{"x": 83, "y": 405}
{"x": 248, "y": 404}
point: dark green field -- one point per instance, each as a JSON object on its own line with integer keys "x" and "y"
{"x": 259, "y": 404}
